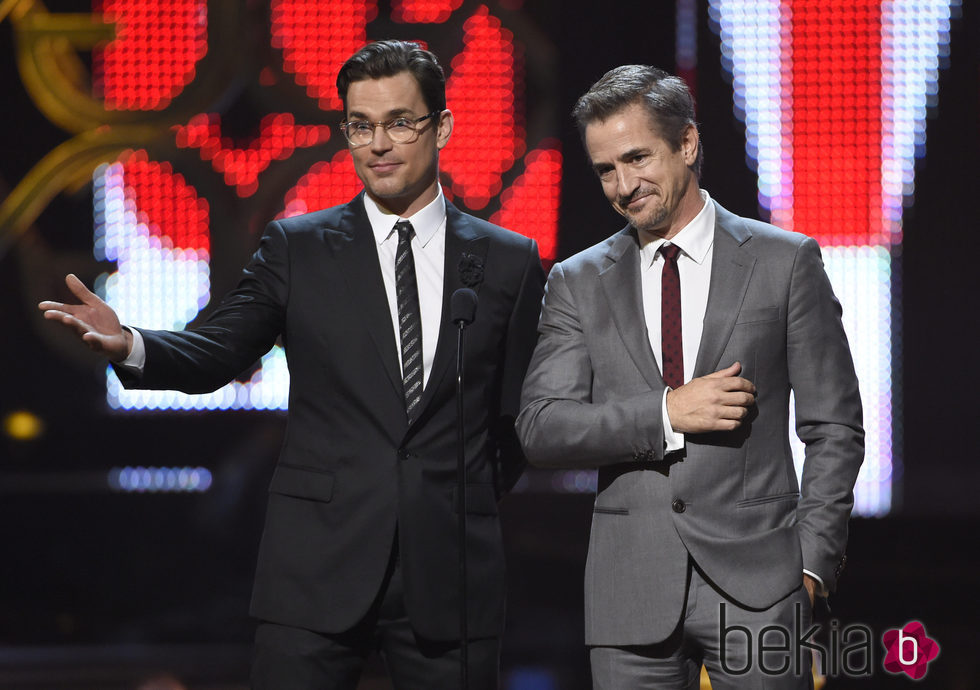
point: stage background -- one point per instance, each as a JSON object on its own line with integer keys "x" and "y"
{"x": 100, "y": 555}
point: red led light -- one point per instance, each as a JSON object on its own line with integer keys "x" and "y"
{"x": 836, "y": 87}
{"x": 423, "y": 11}
{"x": 154, "y": 54}
{"x": 278, "y": 138}
{"x": 325, "y": 185}
{"x": 316, "y": 37}
{"x": 166, "y": 205}
{"x": 487, "y": 137}
{"x": 530, "y": 205}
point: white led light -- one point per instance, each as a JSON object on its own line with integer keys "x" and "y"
{"x": 156, "y": 285}
{"x": 861, "y": 278}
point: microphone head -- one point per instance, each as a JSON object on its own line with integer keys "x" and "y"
{"x": 463, "y": 306}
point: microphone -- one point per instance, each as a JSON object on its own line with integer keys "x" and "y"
{"x": 463, "y": 307}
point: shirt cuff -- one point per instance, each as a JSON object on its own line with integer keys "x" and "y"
{"x": 136, "y": 359}
{"x": 821, "y": 587}
{"x": 673, "y": 440}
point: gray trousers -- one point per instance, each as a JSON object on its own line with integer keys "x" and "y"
{"x": 724, "y": 637}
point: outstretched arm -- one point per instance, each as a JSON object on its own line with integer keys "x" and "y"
{"x": 241, "y": 329}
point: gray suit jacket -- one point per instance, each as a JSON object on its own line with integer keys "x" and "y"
{"x": 592, "y": 398}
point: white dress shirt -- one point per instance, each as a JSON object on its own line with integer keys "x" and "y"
{"x": 429, "y": 252}
{"x": 695, "y": 241}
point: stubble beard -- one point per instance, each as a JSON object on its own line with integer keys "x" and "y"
{"x": 652, "y": 222}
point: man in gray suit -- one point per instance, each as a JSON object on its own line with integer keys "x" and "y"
{"x": 666, "y": 357}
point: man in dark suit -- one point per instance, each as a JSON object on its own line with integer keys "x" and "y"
{"x": 359, "y": 550}
{"x": 666, "y": 358}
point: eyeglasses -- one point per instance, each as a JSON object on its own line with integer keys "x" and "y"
{"x": 401, "y": 130}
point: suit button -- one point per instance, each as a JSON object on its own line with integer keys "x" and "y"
{"x": 402, "y": 454}
{"x": 678, "y": 506}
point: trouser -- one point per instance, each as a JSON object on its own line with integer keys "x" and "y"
{"x": 288, "y": 658}
{"x": 723, "y": 636}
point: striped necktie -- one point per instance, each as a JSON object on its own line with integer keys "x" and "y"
{"x": 409, "y": 319}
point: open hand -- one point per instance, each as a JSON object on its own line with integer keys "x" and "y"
{"x": 93, "y": 320}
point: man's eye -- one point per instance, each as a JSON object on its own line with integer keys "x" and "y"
{"x": 400, "y": 123}
{"x": 360, "y": 126}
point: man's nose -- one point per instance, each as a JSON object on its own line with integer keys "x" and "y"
{"x": 381, "y": 142}
{"x": 626, "y": 183}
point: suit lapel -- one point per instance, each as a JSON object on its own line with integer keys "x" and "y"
{"x": 731, "y": 268}
{"x": 352, "y": 244}
{"x": 621, "y": 284}
{"x": 461, "y": 237}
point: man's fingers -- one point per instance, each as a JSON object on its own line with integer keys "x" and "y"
{"x": 732, "y": 370}
{"x": 732, "y": 412}
{"x": 57, "y": 314}
{"x": 737, "y": 399}
{"x": 738, "y": 385}
{"x": 69, "y": 320}
{"x": 95, "y": 341}
{"x": 58, "y": 308}
{"x": 78, "y": 289}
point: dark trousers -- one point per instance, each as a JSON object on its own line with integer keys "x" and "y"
{"x": 289, "y": 658}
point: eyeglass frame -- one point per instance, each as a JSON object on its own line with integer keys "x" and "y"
{"x": 385, "y": 125}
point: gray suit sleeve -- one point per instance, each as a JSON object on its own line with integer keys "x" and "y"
{"x": 560, "y": 425}
{"x": 828, "y": 414}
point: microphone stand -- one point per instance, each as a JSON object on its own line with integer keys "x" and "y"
{"x": 463, "y": 311}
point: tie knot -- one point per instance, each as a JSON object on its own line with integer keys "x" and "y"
{"x": 670, "y": 251}
{"x": 404, "y": 229}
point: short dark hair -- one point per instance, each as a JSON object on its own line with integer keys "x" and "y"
{"x": 388, "y": 58}
{"x": 666, "y": 98}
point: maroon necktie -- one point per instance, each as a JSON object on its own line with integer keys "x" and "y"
{"x": 671, "y": 340}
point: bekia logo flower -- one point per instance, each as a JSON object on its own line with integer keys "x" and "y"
{"x": 909, "y": 650}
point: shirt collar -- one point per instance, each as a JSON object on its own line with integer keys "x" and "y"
{"x": 694, "y": 239}
{"x": 426, "y": 221}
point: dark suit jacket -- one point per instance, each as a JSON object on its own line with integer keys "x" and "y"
{"x": 351, "y": 468}
{"x": 592, "y": 398}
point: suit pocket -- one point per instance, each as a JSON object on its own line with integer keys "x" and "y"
{"x": 602, "y": 510}
{"x": 302, "y": 482}
{"x": 481, "y": 499}
{"x": 762, "y": 500}
{"x": 757, "y": 315}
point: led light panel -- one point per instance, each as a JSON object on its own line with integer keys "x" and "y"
{"x": 833, "y": 94}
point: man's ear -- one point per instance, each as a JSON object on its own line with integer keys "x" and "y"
{"x": 689, "y": 144}
{"x": 445, "y": 128}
